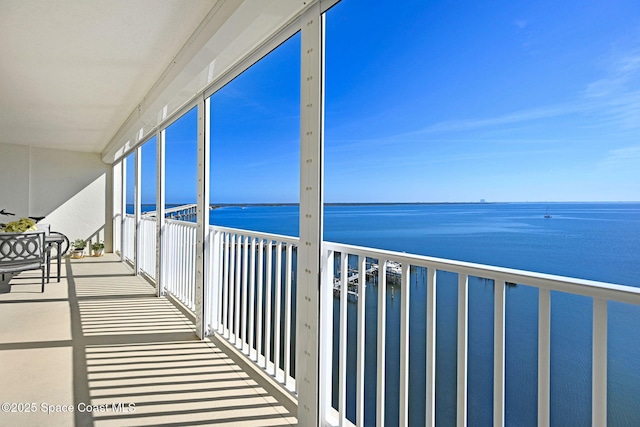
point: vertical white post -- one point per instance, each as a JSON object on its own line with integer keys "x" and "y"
{"x": 599, "y": 379}
{"x": 405, "y": 290}
{"x": 252, "y": 300}
{"x": 202, "y": 218}
{"x": 267, "y": 304}
{"x": 123, "y": 195}
{"x": 245, "y": 290}
{"x": 544, "y": 356}
{"x": 463, "y": 348}
{"x": 342, "y": 347}
{"x": 362, "y": 285}
{"x": 160, "y": 211}
{"x": 287, "y": 317}
{"x": 430, "y": 419}
{"x": 277, "y": 310}
{"x": 309, "y": 350}
{"x": 382, "y": 341}
{"x": 498, "y": 352}
{"x": 118, "y": 209}
{"x": 326, "y": 338}
{"x": 137, "y": 204}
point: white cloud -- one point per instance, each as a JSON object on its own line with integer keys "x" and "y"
{"x": 622, "y": 158}
{"x": 520, "y": 23}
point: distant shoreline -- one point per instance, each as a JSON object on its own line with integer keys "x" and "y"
{"x": 223, "y": 205}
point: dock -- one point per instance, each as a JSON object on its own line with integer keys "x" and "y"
{"x": 394, "y": 275}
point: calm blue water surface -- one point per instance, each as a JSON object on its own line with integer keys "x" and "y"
{"x": 595, "y": 241}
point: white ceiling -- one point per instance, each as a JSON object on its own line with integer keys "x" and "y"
{"x": 72, "y": 71}
{"x": 99, "y": 75}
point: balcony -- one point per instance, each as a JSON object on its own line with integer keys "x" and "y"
{"x": 249, "y": 302}
{"x": 251, "y": 327}
{"x": 99, "y": 348}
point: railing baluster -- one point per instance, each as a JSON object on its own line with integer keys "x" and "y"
{"x": 362, "y": 283}
{"x": 191, "y": 269}
{"x": 243, "y": 316}
{"x": 232, "y": 289}
{"x": 267, "y": 317}
{"x": 544, "y": 356}
{"x": 236, "y": 301}
{"x": 405, "y": 290}
{"x": 278, "y": 308}
{"x": 326, "y": 336}
{"x": 499, "y": 287}
{"x": 463, "y": 348}
{"x": 342, "y": 350}
{"x": 287, "y": 317}
{"x": 252, "y": 301}
{"x": 259, "y": 333}
{"x": 227, "y": 300}
{"x": 181, "y": 269}
{"x": 599, "y": 379}
{"x": 382, "y": 337}
{"x": 430, "y": 418}
{"x": 220, "y": 262}
{"x": 214, "y": 302}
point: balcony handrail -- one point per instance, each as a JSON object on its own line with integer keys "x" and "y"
{"x": 242, "y": 265}
{"x": 257, "y": 234}
{"x": 590, "y": 288}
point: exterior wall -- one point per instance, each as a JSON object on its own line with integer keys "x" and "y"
{"x": 71, "y": 189}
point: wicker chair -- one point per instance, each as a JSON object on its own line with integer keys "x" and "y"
{"x": 23, "y": 252}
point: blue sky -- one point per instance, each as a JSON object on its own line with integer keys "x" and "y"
{"x": 440, "y": 101}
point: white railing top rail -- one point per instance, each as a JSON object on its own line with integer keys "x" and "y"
{"x": 179, "y": 222}
{"x": 590, "y": 288}
{"x": 600, "y": 290}
{"x": 257, "y": 234}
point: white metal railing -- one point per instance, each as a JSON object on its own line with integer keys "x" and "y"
{"x": 180, "y": 261}
{"x": 253, "y": 281}
{"x": 378, "y": 262}
{"x": 148, "y": 246}
{"x": 129, "y": 228}
{"x": 250, "y": 293}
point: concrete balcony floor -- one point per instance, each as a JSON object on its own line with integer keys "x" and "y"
{"x": 100, "y": 344}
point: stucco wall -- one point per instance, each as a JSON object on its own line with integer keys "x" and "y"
{"x": 71, "y": 189}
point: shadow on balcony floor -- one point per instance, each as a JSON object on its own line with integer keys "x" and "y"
{"x": 100, "y": 349}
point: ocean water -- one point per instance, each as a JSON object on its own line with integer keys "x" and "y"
{"x": 595, "y": 241}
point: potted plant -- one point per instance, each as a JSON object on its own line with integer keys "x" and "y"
{"x": 78, "y": 246}
{"x": 98, "y": 248}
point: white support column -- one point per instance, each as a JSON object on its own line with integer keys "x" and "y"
{"x": 123, "y": 193}
{"x": 309, "y": 349}
{"x": 160, "y": 210}
{"x": 202, "y": 222}
{"x": 137, "y": 204}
